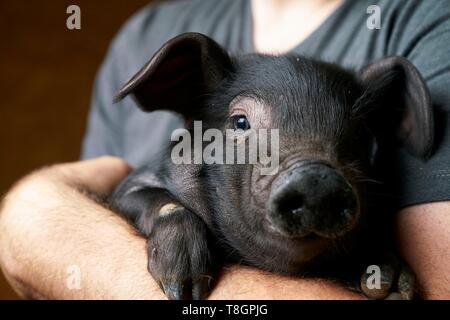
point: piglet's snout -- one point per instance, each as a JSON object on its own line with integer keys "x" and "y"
{"x": 312, "y": 199}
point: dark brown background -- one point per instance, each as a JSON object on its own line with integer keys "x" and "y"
{"x": 46, "y": 76}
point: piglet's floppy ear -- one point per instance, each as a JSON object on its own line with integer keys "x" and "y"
{"x": 404, "y": 107}
{"x": 186, "y": 68}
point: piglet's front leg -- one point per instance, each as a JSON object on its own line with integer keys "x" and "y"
{"x": 179, "y": 243}
{"x": 179, "y": 251}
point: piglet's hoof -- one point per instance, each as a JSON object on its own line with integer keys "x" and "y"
{"x": 397, "y": 281}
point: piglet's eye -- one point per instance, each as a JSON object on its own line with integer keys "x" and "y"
{"x": 241, "y": 123}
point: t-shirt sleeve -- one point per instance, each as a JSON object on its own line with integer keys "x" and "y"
{"x": 426, "y": 43}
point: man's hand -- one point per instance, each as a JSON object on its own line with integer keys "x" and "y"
{"x": 54, "y": 236}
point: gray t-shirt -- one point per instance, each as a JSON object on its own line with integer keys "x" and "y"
{"x": 417, "y": 30}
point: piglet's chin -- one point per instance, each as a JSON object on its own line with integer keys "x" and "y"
{"x": 288, "y": 255}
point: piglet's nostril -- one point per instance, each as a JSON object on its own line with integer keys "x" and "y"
{"x": 341, "y": 204}
{"x": 342, "y": 201}
{"x": 292, "y": 204}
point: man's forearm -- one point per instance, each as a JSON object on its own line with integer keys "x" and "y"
{"x": 69, "y": 240}
{"x": 423, "y": 233}
{"x": 247, "y": 283}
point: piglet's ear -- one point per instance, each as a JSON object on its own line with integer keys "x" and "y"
{"x": 404, "y": 108}
{"x": 186, "y": 68}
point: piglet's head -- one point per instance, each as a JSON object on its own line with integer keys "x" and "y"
{"x": 328, "y": 121}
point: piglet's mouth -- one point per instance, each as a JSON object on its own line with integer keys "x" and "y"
{"x": 309, "y": 237}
